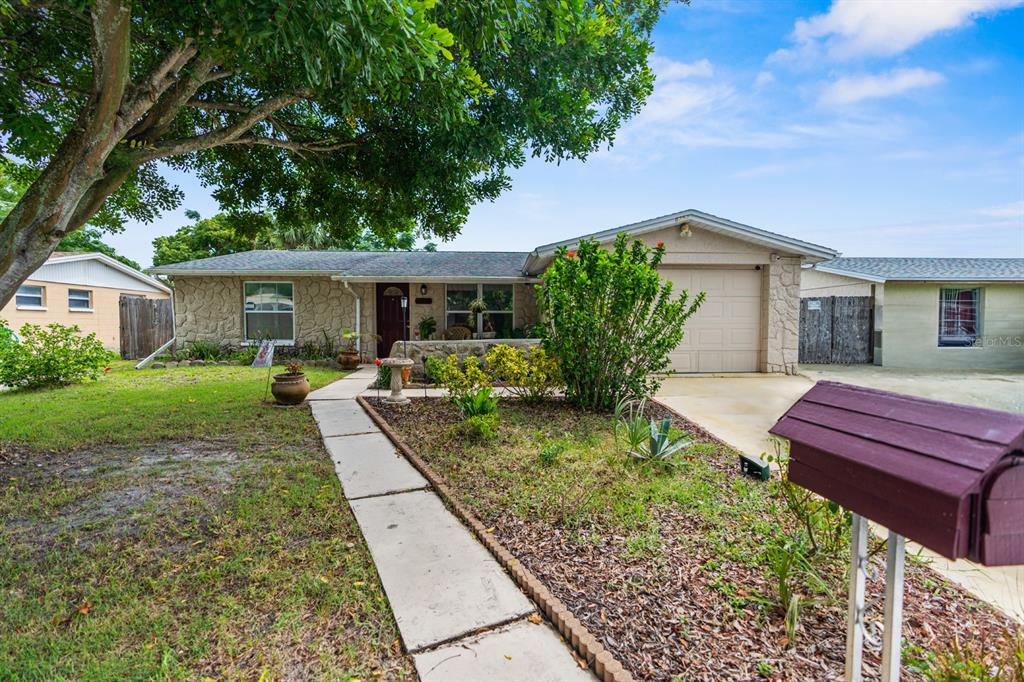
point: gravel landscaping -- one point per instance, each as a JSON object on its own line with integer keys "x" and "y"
{"x": 666, "y": 566}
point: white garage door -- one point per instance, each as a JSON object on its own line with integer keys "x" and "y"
{"x": 725, "y": 334}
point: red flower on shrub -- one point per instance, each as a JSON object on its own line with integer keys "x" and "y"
{"x": 570, "y": 254}
{"x": 106, "y": 369}
{"x": 377, "y": 362}
{"x": 660, "y": 244}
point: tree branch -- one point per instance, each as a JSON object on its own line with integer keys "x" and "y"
{"x": 226, "y": 135}
{"x": 160, "y": 117}
{"x": 293, "y": 145}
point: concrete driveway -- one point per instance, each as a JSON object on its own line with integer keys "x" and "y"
{"x": 740, "y": 409}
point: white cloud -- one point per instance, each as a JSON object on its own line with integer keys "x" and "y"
{"x": 764, "y": 78}
{"x": 1014, "y": 209}
{"x": 669, "y": 69}
{"x": 857, "y": 28}
{"x": 852, "y": 89}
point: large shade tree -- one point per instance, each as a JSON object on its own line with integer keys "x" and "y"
{"x": 385, "y": 115}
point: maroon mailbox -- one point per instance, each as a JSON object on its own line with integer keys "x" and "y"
{"x": 950, "y": 477}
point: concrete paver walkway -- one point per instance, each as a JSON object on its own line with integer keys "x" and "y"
{"x": 460, "y": 615}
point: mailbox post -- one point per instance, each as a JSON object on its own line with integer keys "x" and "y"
{"x": 950, "y": 477}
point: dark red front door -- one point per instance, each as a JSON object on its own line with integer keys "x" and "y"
{"x": 389, "y": 316}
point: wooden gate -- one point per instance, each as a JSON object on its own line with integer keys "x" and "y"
{"x": 146, "y": 324}
{"x": 836, "y": 330}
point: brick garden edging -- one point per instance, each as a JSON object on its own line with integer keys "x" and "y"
{"x": 600, "y": 660}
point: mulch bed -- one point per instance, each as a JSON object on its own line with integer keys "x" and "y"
{"x": 686, "y": 614}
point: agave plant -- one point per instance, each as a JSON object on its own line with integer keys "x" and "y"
{"x": 660, "y": 446}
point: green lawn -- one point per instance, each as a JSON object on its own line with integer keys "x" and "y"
{"x": 165, "y": 524}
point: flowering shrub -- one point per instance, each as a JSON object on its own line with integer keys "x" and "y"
{"x": 532, "y": 375}
{"x": 54, "y": 355}
{"x": 612, "y": 321}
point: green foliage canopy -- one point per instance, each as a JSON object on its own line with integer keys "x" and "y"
{"x": 355, "y": 115}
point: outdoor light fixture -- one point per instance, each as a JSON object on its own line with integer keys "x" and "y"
{"x": 423, "y": 290}
{"x": 684, "y": 230}
{"x": 405, "y": 327}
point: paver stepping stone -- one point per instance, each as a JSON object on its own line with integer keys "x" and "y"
{"x": 440, "y": 581}
{"x": 368, "y": 464}
{"x": 520, "y": 651}
{"x": 341, "y": 418}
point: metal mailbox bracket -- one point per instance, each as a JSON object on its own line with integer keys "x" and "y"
{"x": 893, "y": 625}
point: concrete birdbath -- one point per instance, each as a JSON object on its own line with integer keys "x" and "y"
{"x": 397, "y": 365}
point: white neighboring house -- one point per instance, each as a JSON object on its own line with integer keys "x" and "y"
{"x": 81, "y": 289}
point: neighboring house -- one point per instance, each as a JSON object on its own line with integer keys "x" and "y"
{"x": 748, "y": 322}
{"x": 943, "y": 313}
{"x": 81, "y": 289}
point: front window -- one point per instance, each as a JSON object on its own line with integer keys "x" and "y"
{"x": 79, "y": 299}
{"x": 29, "y": 297}
{"x": 959, "y": 321}
{"x": 269, "y": 311}
{"x": 494, "y": 321}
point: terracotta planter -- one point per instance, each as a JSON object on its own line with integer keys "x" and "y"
{"x": 290, "y": 389}
{"x": 406, "y": 373}
{"x": 348, "y": 359}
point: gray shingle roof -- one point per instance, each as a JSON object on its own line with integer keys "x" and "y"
{"x": 377, "y": 264}
{"x": 944, "y": 269}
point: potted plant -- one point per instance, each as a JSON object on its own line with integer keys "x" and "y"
{"x": 291, "y": 387}
{"x": 427, "y": 325}
{"x": 348, "y": 358}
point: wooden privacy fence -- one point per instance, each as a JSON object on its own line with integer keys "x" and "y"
{"x": 836, "y": 330}
{"x": 146, "y": 324}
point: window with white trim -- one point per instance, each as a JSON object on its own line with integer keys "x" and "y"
{"x": 959, "y": 317}
{"x": 29, "y": 296}
{"x": 496, "y": 319}
{"x": 269, "y": 311}
{"x": 79, "y": 299}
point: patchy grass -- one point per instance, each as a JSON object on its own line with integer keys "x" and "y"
{"x": 210, "y": 538}
{"x": 668, "y": 565}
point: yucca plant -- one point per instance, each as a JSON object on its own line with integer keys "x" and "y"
{"x": 478, "y": 403}
{"x": 631, "y": 424}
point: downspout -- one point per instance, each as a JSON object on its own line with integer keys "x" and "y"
{"x": 359, "y": 312}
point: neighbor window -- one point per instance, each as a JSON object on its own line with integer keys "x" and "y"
{"x": 959, "y": 320}
{"x": 29, "y": 297}
{"x": 79, "y": 299}
{"x": 495, "y": 321}
{"x": 269, "y": 311}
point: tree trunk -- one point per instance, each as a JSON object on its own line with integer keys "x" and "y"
{"x": 32, "y": 230}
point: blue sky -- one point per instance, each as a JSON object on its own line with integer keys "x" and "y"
{"x": 878, "y": 128}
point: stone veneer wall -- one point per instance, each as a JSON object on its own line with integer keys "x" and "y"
{"x": 420, "y": 350}
{"x": 526, "y": 311}
{"x": 210, "y": 308}
{"x": 780, "y": 316}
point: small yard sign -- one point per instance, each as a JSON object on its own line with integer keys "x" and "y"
{"x": 265, "y": 354}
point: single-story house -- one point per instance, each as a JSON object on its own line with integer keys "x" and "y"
{"x": 81, "y": 289}
{"x": 942, "y": 313}
{"x": 747, "y": 324}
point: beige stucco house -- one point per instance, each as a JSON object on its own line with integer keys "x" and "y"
{"x": 942, "y": 313}
{"x": 748, "y": 322}
{"x": 81, "y": 289}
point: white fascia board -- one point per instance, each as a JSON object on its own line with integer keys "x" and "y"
{"x": 705, "y": 220}
{"x": 116, "y": 264}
